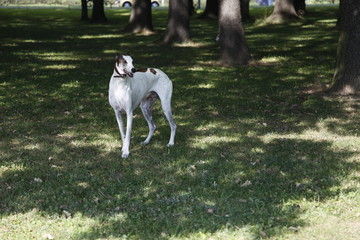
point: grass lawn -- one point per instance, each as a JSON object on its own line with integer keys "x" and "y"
{"x": 257, "y": 155}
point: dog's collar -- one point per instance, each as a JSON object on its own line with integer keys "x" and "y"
{"x": 121, "y": 76}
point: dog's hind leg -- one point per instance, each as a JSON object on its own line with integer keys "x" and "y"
{"x": 169, "y": 117}
{"x": 166, "y": 106}
{"x": 146, "y": 108}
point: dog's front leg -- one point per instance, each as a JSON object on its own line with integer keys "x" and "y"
{"x": 121, "y": 125}
{"x": 126, "y": 142}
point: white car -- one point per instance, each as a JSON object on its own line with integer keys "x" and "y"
{"x": 128, "y": 3}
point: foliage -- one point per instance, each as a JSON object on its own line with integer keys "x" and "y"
{"x": 256, "y": 154}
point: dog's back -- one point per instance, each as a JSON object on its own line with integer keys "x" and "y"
{"x": 150, "y": 80}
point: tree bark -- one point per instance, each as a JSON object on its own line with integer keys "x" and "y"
{"x": 140, "y": 19}
{"x": 300, "y": 6}
{"x": 284, "y": 11}
{"x": 245, "y": 10}
{"x": 233, "y": 46}
{"x": 98, "y": 13}
{"x": 191, "y": 7}
{"x": 178, "y": 26}
{"x": 347, "y": 74}
{"x": 84, "y": 11}
{"x": 211, "y": 9}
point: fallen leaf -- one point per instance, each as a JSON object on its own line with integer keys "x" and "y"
{"x": 295, "y": 229}
{"x": 67, "y": 214}
{"x": 253, "y": 163}
{"x": 38, "y": 180}
{"x": 246, "y": 183}
{"x": 210, "y": 210}
{"x": 48, "y": 236}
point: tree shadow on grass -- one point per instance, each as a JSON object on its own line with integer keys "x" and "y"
{"x": 244, "y": 183}
{"x": 222, "y": 174}
{"x": 217, "y": 177}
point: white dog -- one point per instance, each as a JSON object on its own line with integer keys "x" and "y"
{"x": 129, "y": 87}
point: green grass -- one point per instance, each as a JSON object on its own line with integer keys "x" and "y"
{"x": 256, "y": 155}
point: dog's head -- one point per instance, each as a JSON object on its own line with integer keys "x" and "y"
{"x": 124, "y": 65}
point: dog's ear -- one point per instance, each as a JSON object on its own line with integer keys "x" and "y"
{"x": 117, "y": 58}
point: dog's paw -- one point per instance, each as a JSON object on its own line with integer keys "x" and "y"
{"x": 170, "y": 144}
{"x": 145, "y": 143}
{"x": 124, "y": 155}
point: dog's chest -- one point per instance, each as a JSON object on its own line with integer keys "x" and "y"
{"x": 119, "y": 94}
{"x": 126, "y": 94}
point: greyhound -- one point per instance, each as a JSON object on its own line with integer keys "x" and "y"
{"x": 130, "y": 87}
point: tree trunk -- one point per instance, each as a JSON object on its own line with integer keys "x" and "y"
{"x": 140, "y": 19}
{"x": 284, "y": 11}
{"x": 300, "y": 6}
{"x": 211, "y": 9}
{"x": 347, "y": 73}
{"x": 191, "y": 7}
{"x": 178, "y": 26}
{"x": 98, "y": 13}
{"x": 84, "y": 11}
{"x": 245, "y": 10}
{"x": 233, "y": 46}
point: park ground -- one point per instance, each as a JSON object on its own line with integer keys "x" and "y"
{"x": 260, "y": 153}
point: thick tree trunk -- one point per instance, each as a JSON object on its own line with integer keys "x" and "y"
{"x": 191, "y": 7}
{"x": 98, "y": 13}
{"x": 178, "y": 26}
{"x": 347, "y": 73}
{"x": 300, "y": 6}
{"x": 233, "y": 46}
{"x": 245, "y": 10}
{"x": 284, "y": 11}
{"x": 84, "y": 11}
{"x": 140, "y": 19}
{"x": 211, "y": 9}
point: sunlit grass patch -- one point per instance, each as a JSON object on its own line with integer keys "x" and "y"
{"x": 273, "y": 59}
{"x": 56, "y": 227}
{"x": 56, "y": 56}
{"x": 60, "y": 67}
{"x": 106, "y": 36}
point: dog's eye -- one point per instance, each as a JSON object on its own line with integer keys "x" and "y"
{"x": 125, "y": 62}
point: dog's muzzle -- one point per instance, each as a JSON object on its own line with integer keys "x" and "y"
{"x": 130, "y": 74}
